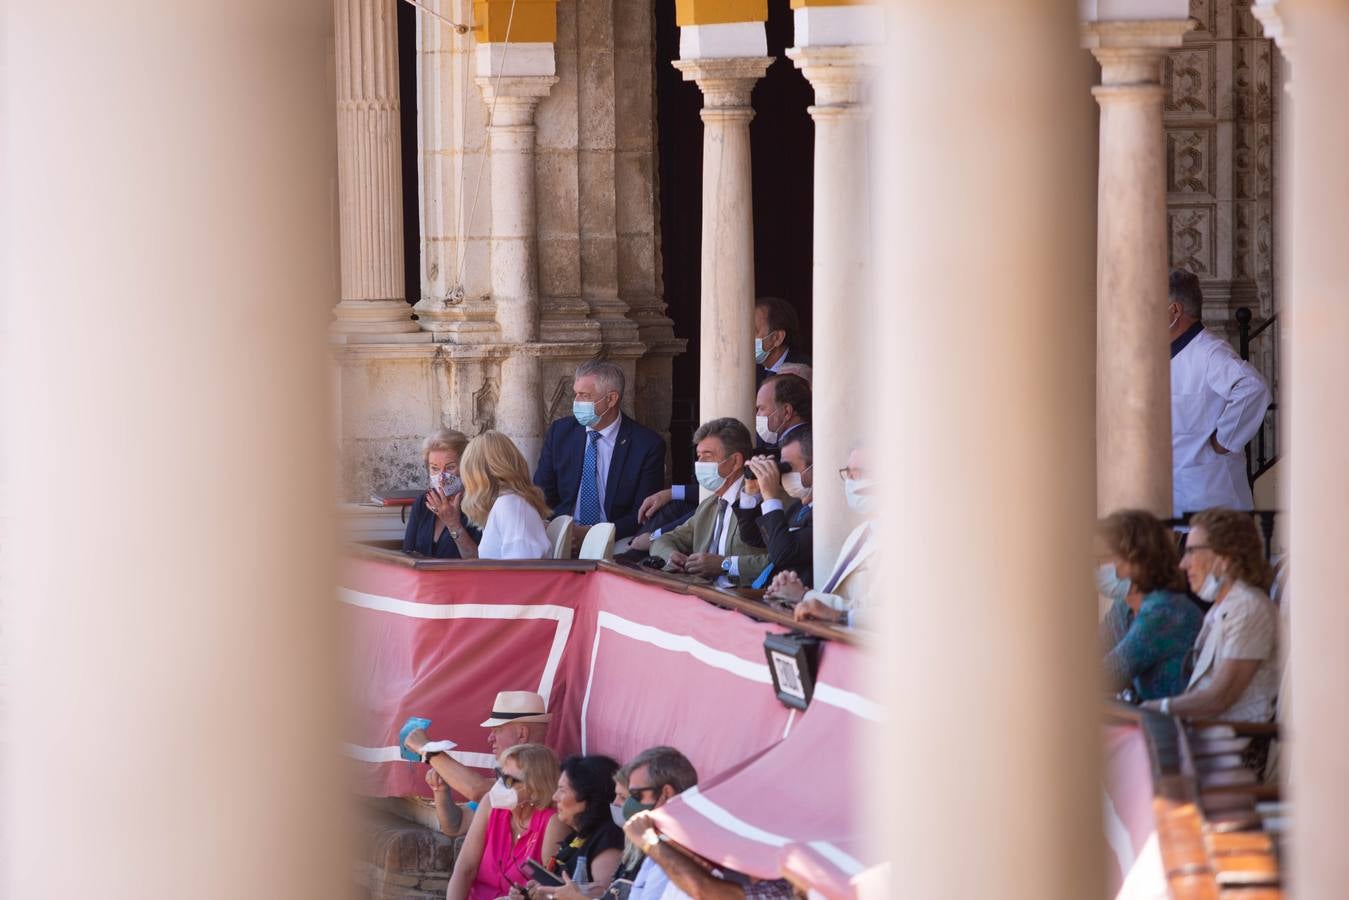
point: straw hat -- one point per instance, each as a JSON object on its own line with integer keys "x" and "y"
{"x": 517, "y": 706}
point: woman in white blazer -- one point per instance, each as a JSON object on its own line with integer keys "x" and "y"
{"x": 500, "y": 499}
{"x": 1236, "y": 671}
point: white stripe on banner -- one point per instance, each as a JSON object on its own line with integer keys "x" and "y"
{"x": 847, "y": 864}
{"x": 560, "y": 614}
{"x": 723, "y": 817}
{"x": 679, "y": 643}
{"x": 1117, "y": 836}
{"x": 849, "y": 702}
{"x": 391, "y": 754}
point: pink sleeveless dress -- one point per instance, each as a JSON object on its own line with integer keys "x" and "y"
{"x": 502, "y": 857}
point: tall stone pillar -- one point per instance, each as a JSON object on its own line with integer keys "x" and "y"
{"x": 143, "y": 657}
{"x": 369, "y": 171}
{"x": 983, "y": 602}
{"x": 515, "y": 71}
{"x": 1133, "y": 368}
{"x": 723, "y": 46}
{"x": 834, "y": 50}
{"x": 1314, "y": 36}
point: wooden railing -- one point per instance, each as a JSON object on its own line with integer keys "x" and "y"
{"x": 1212, "y": 835}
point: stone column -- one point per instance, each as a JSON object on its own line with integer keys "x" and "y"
{"x": 144, "y": 657}
{"x": 514, "y": 250}
{"x": 726, "y": 364}
{"x": 369, "y": 173}
{"x": 983, "y": 605}
{"x": 1133, "y": 368}
{"x": 844, "y": 300}
{"x": 1314, "y": 37}
{"x": 516, "y": 68}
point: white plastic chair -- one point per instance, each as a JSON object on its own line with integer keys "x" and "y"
{"x": 598, "y": 542}
{"x": 559, "y": 537}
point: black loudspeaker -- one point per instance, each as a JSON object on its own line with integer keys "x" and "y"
{"x": 793, "y": 658}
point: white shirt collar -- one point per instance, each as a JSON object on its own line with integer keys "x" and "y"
{"x": 611, "y": 430}
{"x": 734, "y": 493}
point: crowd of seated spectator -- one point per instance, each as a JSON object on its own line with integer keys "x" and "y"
{"x": 752, "y": 530}
{"x": 1208, "y": 653}
{"x": 583, "y": 822}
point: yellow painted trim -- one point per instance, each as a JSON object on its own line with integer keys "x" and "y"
{"x": 806, "y": 4}
{"x": 535, "y": 21}
{"x": 718, "y": 12}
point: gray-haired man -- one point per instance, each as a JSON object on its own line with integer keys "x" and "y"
{"x": 597, "y": 465}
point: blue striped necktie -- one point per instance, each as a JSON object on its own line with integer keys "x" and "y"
{"x": 588, "y": 511}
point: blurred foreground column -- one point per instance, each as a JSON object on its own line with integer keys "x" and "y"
{"x": 989, "y": 785}
{"x": 512, "y": 86}
{"x": 170, "y": 194}
{"x": 723, "y": 47}
{"x": 1314, "y": 35}
{"x": 1133, "y": 365}
{"x": 836, "y": 49}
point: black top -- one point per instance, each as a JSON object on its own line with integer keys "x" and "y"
{"x": 607, "y": 837}
{"x": 421, "y": 530}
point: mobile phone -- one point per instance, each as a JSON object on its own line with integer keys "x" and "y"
{"x": 538, "y": 873}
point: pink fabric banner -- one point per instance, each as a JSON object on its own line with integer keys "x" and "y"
{"x": 623, "y": 666}
{"x": 800, "y": 791}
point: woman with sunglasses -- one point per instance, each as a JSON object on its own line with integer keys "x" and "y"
{"x": 520, "y": 825}
{"x": 1235, "y": 675}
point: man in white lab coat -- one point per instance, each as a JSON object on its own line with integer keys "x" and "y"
{"x": 1218, "y": 403}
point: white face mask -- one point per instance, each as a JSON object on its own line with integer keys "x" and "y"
{"x": 1208, "y": 591}
{"x": 792, "y": 484}
{"x": 1109, "y": 584}
{"x": 858, "y": 493}
{"x": 769, "y": 435}
{"x": 448, "y": 483}
{"x": 503, "y": 797}
{"x": 616, "y": 812}
{"x": 708, "y": 475}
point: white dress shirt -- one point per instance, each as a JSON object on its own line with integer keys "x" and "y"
{"x": 1213, "y": 390}
{"x": 604, "y": 454}
{"x": 514, "y": 530}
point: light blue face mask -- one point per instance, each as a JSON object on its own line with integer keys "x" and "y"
{"x": 760, "y": 354}
{"x": 584, "y": 411}
{"x": 708, "y": 475}
{"x": 1110, "y": 584}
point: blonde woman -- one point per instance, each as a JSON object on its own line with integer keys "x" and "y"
{"x": 436, "y": 526}
{"x": 500, "y": 498}
{"x": 519, "y": 824}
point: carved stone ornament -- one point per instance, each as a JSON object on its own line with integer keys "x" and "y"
{"x": 485, "y": 404}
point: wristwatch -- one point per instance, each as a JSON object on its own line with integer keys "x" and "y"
{"x": 454, "y": 533}
{"x": 651, "y": 837}
{"x": 726, "y": 564}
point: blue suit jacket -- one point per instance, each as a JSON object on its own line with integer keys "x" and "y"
{"x": 636, "y": 471}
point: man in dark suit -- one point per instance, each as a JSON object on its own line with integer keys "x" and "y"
{"x": 782, "y": 520}
{"x": 781, "y": 405}
{"x": 597, "y": 465}
{"x": 777, "y": 336}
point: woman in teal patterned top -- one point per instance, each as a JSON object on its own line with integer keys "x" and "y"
{"x": 1152, "y": 624}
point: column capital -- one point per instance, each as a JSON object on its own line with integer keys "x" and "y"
{"x": 515, "y": 98}
{"x": 839, "y": 75}
{"x": 726, "y": 83}
{"x": 1133, "y": 51}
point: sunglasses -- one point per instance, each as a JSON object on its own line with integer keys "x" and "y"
{"x": 637, "y": 792}
{"x": 509, "y": 781}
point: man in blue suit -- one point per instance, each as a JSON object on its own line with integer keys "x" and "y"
{"x": 597, "y": 465}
